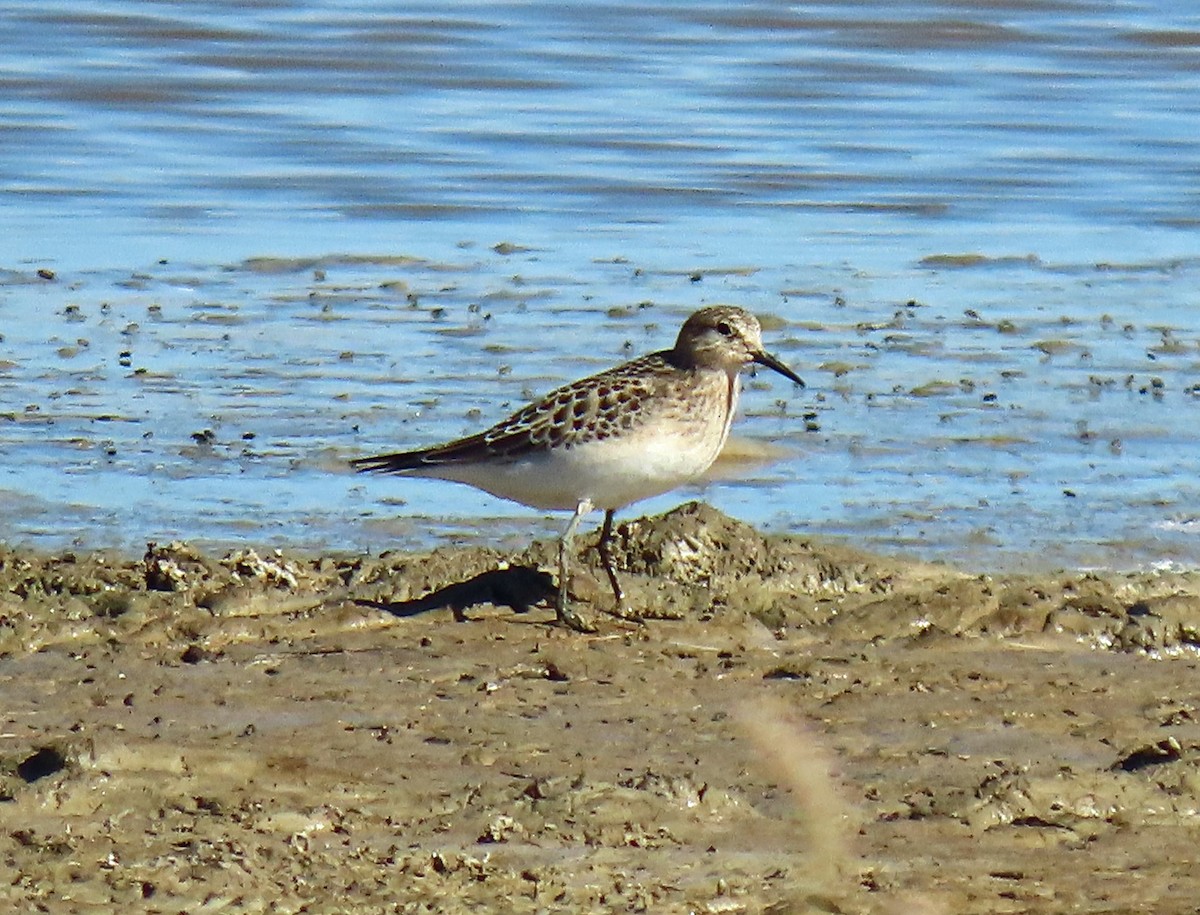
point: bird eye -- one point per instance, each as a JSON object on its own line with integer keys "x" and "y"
{"x": 724, "y": 329}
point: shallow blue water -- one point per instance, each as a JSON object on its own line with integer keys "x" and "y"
{"x": 822, "y": 164}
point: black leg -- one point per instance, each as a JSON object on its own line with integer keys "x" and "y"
{"x": 606, "y": 561}
{"x": 566, "y": 615}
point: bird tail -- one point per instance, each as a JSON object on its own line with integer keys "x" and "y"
{"x": 465, "y": 450}
{"x": 391, "y": 463}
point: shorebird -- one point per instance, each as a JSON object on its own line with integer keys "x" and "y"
{"x": 634, "y": 431}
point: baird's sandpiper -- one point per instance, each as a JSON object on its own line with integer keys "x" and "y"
{"x": 611, "y": 439}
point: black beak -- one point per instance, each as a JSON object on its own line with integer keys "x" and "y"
{"x": 764, "y": 358}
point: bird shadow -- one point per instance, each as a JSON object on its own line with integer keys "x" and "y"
{"x": 517, "y": 587}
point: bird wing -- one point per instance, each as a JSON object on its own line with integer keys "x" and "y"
{"x": 591, "y": 409}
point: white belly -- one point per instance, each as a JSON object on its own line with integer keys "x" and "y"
{"x": 610, "y": 474}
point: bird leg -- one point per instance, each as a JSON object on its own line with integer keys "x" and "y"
{"x": 566, "y": 615}
{"x": 605, "y": 548}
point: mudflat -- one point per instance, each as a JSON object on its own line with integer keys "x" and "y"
{"x": 797, "y": 726}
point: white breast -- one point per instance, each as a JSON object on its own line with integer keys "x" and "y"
{"x": 617, "y": 471}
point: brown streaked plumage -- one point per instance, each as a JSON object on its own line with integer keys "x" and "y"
{"x": 631, "y": 432}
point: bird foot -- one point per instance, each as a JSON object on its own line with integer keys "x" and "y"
{"x": 571, "y": 619}
{"x": 623, "y": 612}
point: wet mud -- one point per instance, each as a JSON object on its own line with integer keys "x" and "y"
{"x": 797, "y": 726}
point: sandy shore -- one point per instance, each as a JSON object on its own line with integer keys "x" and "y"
{"x": 797, "y": 727}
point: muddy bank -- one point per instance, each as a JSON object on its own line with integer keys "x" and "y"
{"x": 798, "y": 726}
